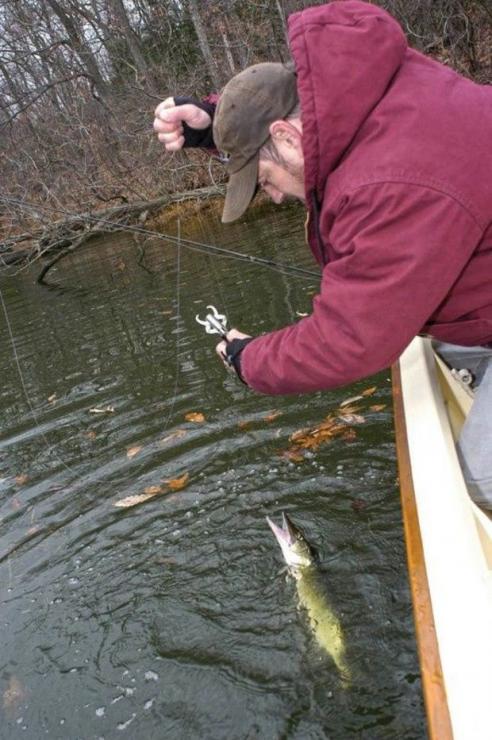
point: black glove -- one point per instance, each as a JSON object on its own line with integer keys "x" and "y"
{"x": 195, "y": 137}
{"x": 233, "y": 354}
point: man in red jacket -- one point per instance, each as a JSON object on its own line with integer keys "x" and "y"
{"x": 392, "y": 154}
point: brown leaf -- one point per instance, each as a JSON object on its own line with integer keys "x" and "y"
{"x": 244, "y": 424}
{"x": 138, "y": 498}
{"x": 176, "y": 484}
{"x": 300, "y": 434}
{"x": 153, "y": 490}
{"x": 174, "y": 435}
{"x": 90, "y": 434}
{"x": 52, "y": 398}
{"x": 21, "y": 479}
{"x": 195, "y": 416}
{"x": 273, "y": 415}
{"x": 347, "y": 408}
{"x": 124, "y": 503}
{"x": 378, "y": 407}
{"x": 350, "y": 401}
{"x": 350, "y": 435}
{"x": 132, "y": 451}
{"x": 369, "y": 391}
{"x": 324, "y": 432}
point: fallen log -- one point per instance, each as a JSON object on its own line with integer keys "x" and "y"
{"x": 61, "y": 238}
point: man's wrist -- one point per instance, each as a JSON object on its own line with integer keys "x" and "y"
{"x": 233, "y": 350}
{"x": 193, "y": 137}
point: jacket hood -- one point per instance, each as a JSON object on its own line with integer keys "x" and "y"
{"x": 346, "y": 54}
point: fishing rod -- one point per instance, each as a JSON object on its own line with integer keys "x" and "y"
{"x": 188, "y": 243}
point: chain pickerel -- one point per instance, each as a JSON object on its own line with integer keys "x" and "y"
{"x": 301, "y": 560}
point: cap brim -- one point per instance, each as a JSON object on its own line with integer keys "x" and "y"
{"x": 240, "y": 190}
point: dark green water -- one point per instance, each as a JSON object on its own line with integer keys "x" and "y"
{"x": 171, "y": 619}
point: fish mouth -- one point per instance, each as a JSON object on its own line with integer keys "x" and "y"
{"x": 285, "y": 535}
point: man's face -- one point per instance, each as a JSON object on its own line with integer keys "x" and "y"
{"x": 278, "y": 182}
{"x": 285, "y": 176}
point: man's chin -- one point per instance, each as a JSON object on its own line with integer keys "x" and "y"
{"x": 293, "y": 199}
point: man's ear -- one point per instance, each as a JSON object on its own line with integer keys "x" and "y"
{"x": 284, "y": 131}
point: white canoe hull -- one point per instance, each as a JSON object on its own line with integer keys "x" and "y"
{"x": 449, "y": 549}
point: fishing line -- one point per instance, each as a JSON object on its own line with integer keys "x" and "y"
{"x": 196, "y": 246}
{"x": 49, "y": 446}
{"x": 178, "y": 322}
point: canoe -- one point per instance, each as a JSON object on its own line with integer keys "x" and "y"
{"x": 449, "y": 548}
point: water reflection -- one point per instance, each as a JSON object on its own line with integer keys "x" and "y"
{"x": 172, "y": 618}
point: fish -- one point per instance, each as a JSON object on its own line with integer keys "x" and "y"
{"x": 302, "y": 562}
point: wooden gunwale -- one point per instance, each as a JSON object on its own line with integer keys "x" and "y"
{"x": 438, "y": 717}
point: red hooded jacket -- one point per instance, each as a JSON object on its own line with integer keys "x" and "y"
{"x": 398, "y": 179}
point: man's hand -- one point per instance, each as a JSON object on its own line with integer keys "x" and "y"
{"x": 221, "y": 348}
{"x": 169, "y": 119}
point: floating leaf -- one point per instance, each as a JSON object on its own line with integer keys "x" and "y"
{"x": 300, "y": 434}
{"x": 153, "y": 490}
{"x": 13, "y": 694}
{"x": 102, "y": 410}
{"x": 52, "y": 398}
{"x": 175, "y": 435}
{"x": 132, "y": 451}
{"x": 273, "y": 415}
{"x": 352, "y": 418}
{"x": 378, "y": 407}
{"x": 196, "y": 416}
{"x": 350, "y": 401}
{"x": 21, "y": 479}
{"x": 348, "y": 408}
{"x": 312, "y": 438}
{"x": 349, "y": 435}
{"x": 369, "y": 391}
{"x": 125, "y": 503}
{"x": 176, "y": 484}
{"x": 301, "y": 314}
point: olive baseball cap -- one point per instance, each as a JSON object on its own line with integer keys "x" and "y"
{"x": 249, "y": 103}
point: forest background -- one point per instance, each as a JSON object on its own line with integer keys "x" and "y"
{"x": 79, "y": 81}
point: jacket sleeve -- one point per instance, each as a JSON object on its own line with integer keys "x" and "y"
{"x": 395, "y": 252}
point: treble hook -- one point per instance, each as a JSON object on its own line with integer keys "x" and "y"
{"x": 214, "y": 322}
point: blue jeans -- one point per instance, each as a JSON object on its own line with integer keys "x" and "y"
{"x": 475, "y": 442}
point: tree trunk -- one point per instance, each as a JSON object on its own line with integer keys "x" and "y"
{"x": 80, "y": 47}
{"x": 119, "y": 12}
{"x": 203, "y": 43}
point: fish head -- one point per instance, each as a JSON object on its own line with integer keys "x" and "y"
{"x": 296, "y": 550}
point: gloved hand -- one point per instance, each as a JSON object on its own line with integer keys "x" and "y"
{"x": 230, "y": 348}
{"x": 182, "y": 121}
